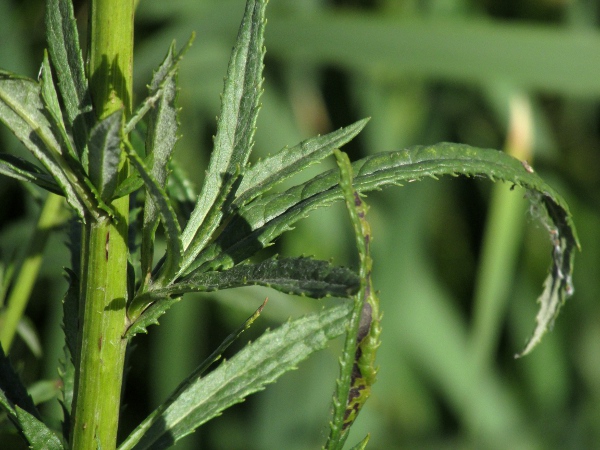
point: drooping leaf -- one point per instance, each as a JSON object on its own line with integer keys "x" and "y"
{"x": 269, "y": 172}
{"x": 167, "y": 215}
{"x": 66, "y": 55}
{"x": 14, "y": 391}
{"x": 21, "y": 110}
{"x": 160, "y": 143}
{"x": 39, "y": 436}
{"x": 295, "y": 276}
{"x": 105, "y": 154}
{"x": 23, "y": 170}
{"x": 262, "y": 220}
{"x": 235, "y": 128}
{"x": 198, "y": 400}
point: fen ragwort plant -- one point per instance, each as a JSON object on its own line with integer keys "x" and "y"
{"x": 113, "y": 165}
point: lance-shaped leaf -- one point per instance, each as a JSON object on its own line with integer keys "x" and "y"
{"x": 271, "y": 171}
{"x": 23, "y": 170}
{"x": 137, "y": 434}
{"x": 160, "y": 80}
{"x": 105, "y": 153}
{"x": 66, "y": 55}
{"x": 22, "y": 111}
{"x": 198, "y": 400}
{"x": 296, "y": 276}
{"x": 36, "y": 432}
{"x": 262, "y": 220}
{"x": 160, "y": 142}
{"x": 235, "y": 127}
{"x": 167, "y": 215}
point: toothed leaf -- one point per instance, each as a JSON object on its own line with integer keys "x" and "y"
{"x": 235, "y": 127}
{"x": 198, "y": 400}
{"x": 105, "y": 154}
{"x": 23, "y": 170}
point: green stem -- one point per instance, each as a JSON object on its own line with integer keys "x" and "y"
{"x": 23, "y": 285}
{"x": 101, "y": 346}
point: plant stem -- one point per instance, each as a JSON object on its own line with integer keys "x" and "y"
{"x": 28, "y": 272}
{"x": 103, "y": 292}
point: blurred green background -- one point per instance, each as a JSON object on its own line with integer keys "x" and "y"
{"x": 458, "y": 262}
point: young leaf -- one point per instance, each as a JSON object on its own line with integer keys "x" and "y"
{"x": 235, "y": 127}
{"x": 104, "y": 150}
{"x": 160, "y": 143}
{"x": 198, "y": 400}
{"x": 271, "y": 171}
{"x": 295, "y": 276}
{"x": 167, "y": 215}
{"x": 148, "y": 315}
{"x": 160, "y": 79}
{"x": 23, "y": 170}
{"x": 39, "y": 436}
{"x": 66, "y": 55}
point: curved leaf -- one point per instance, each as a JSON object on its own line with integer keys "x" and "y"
{"x": 198, "y": 400}
{"x": 23, "y": 170}
{"x": 262, "y": 220}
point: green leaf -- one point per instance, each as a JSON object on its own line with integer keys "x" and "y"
{"x": 198, "y": 400}
{"x": 160, "y": 143}
{"x": 105, "y": 154}
{"x": 269, "y": 172}
{"x": 22, "y": 111}
{"x": 66, "y": 55}
{"x": 262, "y": 220}
{"x": 235, "y": 128}
{"x": 167, "y": 215}
{"x": 23, "y": 170}
{"x": 39, "y": 436}
{"x": 14, "y": 391}
{"x": 160, "y": 80}
{"x": 295, "y": 276}
{"x": 149, "y": 315}
{"x": 212, "y": 358}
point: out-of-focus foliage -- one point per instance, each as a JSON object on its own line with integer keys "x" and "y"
{"x": 521, "y": 75}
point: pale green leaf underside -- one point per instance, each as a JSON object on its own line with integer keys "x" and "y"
{"x": 235, "y": 127}
{"x": 257, "y": 365}
{"x": 264, "y": 219}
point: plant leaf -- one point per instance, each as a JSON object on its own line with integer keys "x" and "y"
{"x": 161, "y": 77}
{"x": 22, "y": 110}
{"x": 66, "y": 55}
{"x": 149, "y": 315}
{"x": 235, "y": 127}
{"x": 160, "y": 143}
{"x": 39, "y": 436}
{"x": 262, "y": 220}
{"x": 23, "y": 170}
{"x": 212, "y": 358}
{"x": 295, "y": 276}
{"x": 269, "y": 172}
{"x": 104, "y": 150}
{"x": 167, "y": 215}
{"x": 198, "y": 400}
